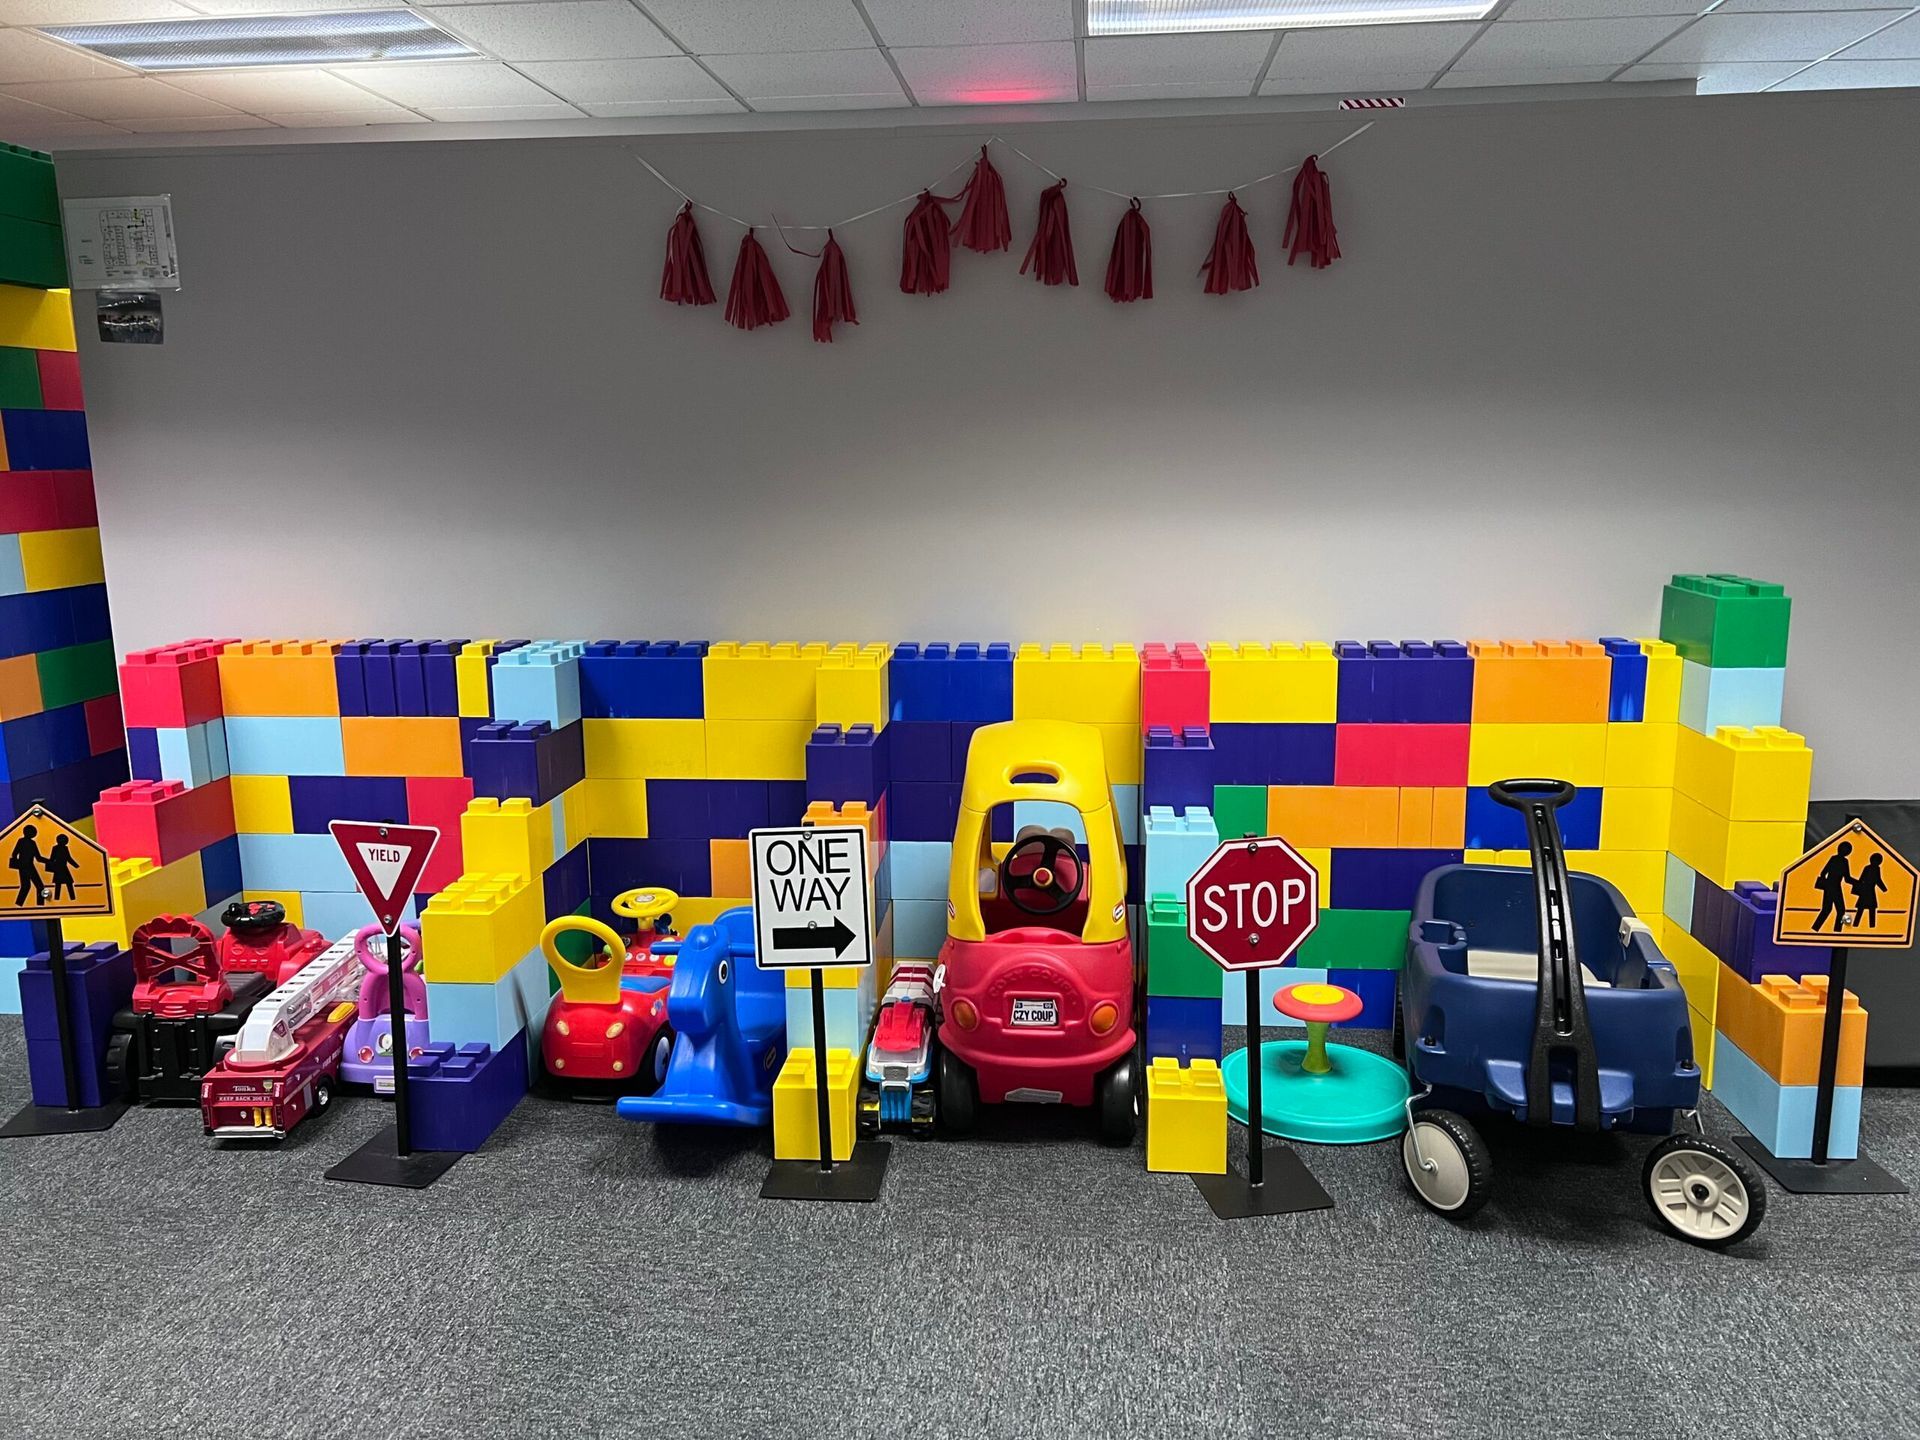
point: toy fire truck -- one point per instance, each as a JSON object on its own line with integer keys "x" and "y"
{"x": 183, "y": 1015}
{"x": 895, "y": 1093}
{"x": 285, "y": 1062}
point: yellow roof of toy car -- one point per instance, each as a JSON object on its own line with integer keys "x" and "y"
{"x": 1069, "y": 755}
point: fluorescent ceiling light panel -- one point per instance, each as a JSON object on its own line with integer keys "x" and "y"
{"x": 1188, "y": 17}
{"x": 218, "y": 44}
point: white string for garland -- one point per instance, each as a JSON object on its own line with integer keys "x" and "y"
{"x": 1004, "y": 144}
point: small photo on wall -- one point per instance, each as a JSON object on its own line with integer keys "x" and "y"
{"x": 130, "y": 317}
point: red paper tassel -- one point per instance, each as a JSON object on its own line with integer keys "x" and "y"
{"x": 983, "y": 223}
{"x": 1230, "y": 264}
{"x": 1310, "y": 217}
{"x": 1051, "y": 253}
{"x": 1130, "y": 266}
{"x": 928, "y": 253}
{"x": 684, "y": 280}
{"x": 754, "y": 298}
{"x": 832, "y": 293}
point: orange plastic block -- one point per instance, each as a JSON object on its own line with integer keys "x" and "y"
{"x": 731, "y": 866}
{"x": 1449, "y": 819}
{"x": 1778, "y": 1025}
{"x": 19, "y": 687}
{"x": 401, "y": 744}
{"x": 1416, "y": 818}
{"x": 281, "y": 677}
{"x": 1522, "y": 681}
{"x": 1335, "y": 815}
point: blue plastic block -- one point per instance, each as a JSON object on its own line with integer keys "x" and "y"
{"x": 685, "y": 866}
{"x": 52, "y": 619}
{"x": 1492, "y": 826}
{"x": 1381, "y": 879}
{"x": 939, "y": 681}
{"x": 539, "y": 681}
{"x": 643, "y": 680}
{"x": 99, "y": 982}
{"x": 565, "y": 882}
{"x": 46, "y": 439}
{"x": 529, "y": 760}
{"x": 1710, "y": 698}
{"x": 1178, "y": 768}
{"x": 919, "y": 868}
{"x": 1177, "y": 845}
{"x": 285, "y": 745}
{"x": 1185, "y": 1028}
{"x": 294, "y": 862}
{"x": 1126, "y": 809}
{"x": 459, "y": 1097}
{"x": 1781, "y": 1116}
{"x": 214, "y": 733}
{"x": 1678, "y": 903}
{"x": 318, "y": 799}
{"x": 71, "y": 789}
{"x": 1272, "y": 754}
{"x": 143, "y": 752}
{"x": 184, "y": 757}
{"x": 1376, "y": 989}
{"x": 336, "y": 914}
{"x": 847, "y": 764}
{"x": 1050, "y": 815}
{"x": 1273, "y": 979}
{"x": 10, "y": 968}
{"x": 45, "y": 740}
{"x": 921, "y": 751}
{"x": 409, "y": 678}
{"x": 350, "y": 676}
{"x": 1627, "y": 684}
{"x": 918, "y": 811}
{"x": 221, "y": 873}
{"x": 919, "y": 927}
{"x": 441, "y": 675}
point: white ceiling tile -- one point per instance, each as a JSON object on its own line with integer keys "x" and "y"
{"x": 606, "y": 82}
{"x": 1770, "y": 37}
{"x": 445, "y": 82}
{"x": 562, "y": 30}
{"x": 283, "y": 7}
{"x": 1171, "y": 90}
{"x": 1897, "y": 42}
{"x": 623, "y": 109}
{"x": 1856, "y": 75}
{"x": 1179, "y": 60}
{"x": 1355, "y": 50}
{"x": 285, "y": 90}
{"x": 196, "y": 124}
{"x": 63, "y": 128}
{"x": 26, "y": 56}
{"x": 808, "y": 72}
{"x": 344, "y": 119}
{"x": 1729, "y": 79}
{"x": 1566, "y": 44}
{"x": 1740, "y": 7}
{"x": 971, "y": 22}
{"x": 897, "y": 100}
{"x": 1349, "y": 82}
{"x": 117, "y": 100}
{"x": 18, "y": 112}
{"x": 89, "y": 12}
{"x": 551, "y": 110}
{"x": 737, "y": 27}
{"x": 1601, "y": 9}
{"x": 1457, "y": 79}
{"x": 990, "y": 74}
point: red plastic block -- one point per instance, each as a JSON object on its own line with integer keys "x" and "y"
{"x": 162, "y": 820}
{"x": 172, "y": 686}
{"x": 28, "y": 502}
{"x": 1417, "y": 755}
{"x": 60, "y": 380}
{"x": 104, "y": 728}
{"x": 1174, "y": 686}
{"x": 73, "y": 498}
{"x": 439, "y": 801}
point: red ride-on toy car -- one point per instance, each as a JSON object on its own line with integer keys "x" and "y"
{"x": 260, "y": 940}
{"x": 183, "y": 1015}
{"x": 1036, "y": 996}
{"x": 606, "y": 1033}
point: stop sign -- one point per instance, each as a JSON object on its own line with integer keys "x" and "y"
{"x": 1252, "y": 903}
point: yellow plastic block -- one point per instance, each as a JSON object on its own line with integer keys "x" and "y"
{"x": 1636, "y": 818}
{"x": 646, "y": 749}
{"x": 1320, "y": 857}
{"x": 1642, "y": 755}
{"x": 142, "y": 890}
{"x": 1698, "y": 967}
{"x": 36, "y": 320}
{"x": 281, "y": 677}
{"x": 758, "y": 681}
{"x": 1567, "y": 751}
{"x": 1334, "y": 816}
{"x": 506, "y": 837}
{"x": 796, "y": 1105}
{"x": 402, "y": 745}
{"x": 1729, "y": 851}
{"x": 289, "y": 899}
{"x": 1639, "y": 875}
{"x": 56, "y": 559}
{"x": 262, "y": 805}
{"x": 851, "y": 687}
{"x": 1780, "y": 1024}
{"x": 1703, "y": 1038}
{"x": 1125, "y": 751}
{"x": 613, "y": 808}
{"x": 1746, "y": 773}
{"x": 1662, "y": 704}
{"x": 575, "y": 811}
{"x": 470, "y": 679}
{"x": 1092, "y": 684}
{"x": 481, "y": 926}
{"x": 1186, "y": 1117}
{"x": 757, "y": 749}
{"x": 1257, "y": 682}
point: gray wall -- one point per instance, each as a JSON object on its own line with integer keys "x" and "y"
{"x": 427, "y": 389}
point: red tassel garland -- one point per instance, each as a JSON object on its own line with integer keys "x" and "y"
{"x": 1230, "y": 264}
{"x": 928, "y": 254}
{"x": 684, "y": 279}
{"x": 832, "y": 292}
{"x": 1310, "y": 217}
{"x": 1051, "y": 253}
{"x": 983, "y": 223}
{"x": 1130, "y": 266}
{"x": 754, "y": 299}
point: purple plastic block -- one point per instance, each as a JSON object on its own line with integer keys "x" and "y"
{"x": 459, "y": 1097}
{"x": 1754, "y": 908}
{"x": 1136, "y": 873}
{"x": 1381, "y": 879}
{"x": 143, "y": 752}
{"x": 99, "y": 983}
{"x": 921, "y": 751}
{"x": 961, "y": 742}
{"x": 685, "y": 866}
{"x": 376, "y": 668}
{"x": 1272, "y": 754}
{"x": 643, "y": 680}
{"x": 318, "y": 799}
{"x": 736, "y": 807}
{"x": 562, "y": 760}
{"x": 71, "y": 789}
{"x": 530, "y": 759}
{"x": 350, "y": 678}
{"x": 919, "y": 811}
{"x": 410, "y": 677}
{"x": 1178, "y": 769}
{"x": 1186, "y": 1028}
{"x": 1711, "y": 922}
{"x": 565, "y": 881}
{"x": 847, "y": 764}
{"x": 443, "y": 676}
{"x": 678, "y": 810}
{"x": 786, "y": 802}
{"x": 1412, "y": 682}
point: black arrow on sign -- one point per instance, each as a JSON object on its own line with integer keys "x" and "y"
{"x": 812, "y": 937}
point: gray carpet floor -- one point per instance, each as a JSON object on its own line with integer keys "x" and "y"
{"x": 585, "y": 1276}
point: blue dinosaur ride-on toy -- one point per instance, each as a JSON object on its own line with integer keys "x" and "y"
{"x": 1538, "y": 994}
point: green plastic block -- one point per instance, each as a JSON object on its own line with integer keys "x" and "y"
{"x": 19, "y": 379}
{"x": 1726, "y": 621}
{"x": 32, "y": 253}
{"x": 1239, "y": 810}
{"x": 1175, "y": 965}
{"x": 1357, "y": 940}
{"x": 79, "y": 672}
{"x": 27, "y": 188}
{"x": 576, "y": 946}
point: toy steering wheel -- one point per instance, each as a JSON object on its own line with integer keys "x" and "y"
{"x": 595, "y": 984}
{"x": 644, "y": 905}
{"x": 254, "y": 915}
{"x": 1053, "y": 880}
{"x": 374, "y": 956}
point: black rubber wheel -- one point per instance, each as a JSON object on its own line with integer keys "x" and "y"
{"x": 322, "y": 1094}
{"x": 866, "y": 1108}
{"x": 1116, "y": 1096}
{"x": 1398, "y": 1043}
{"x": 120, "y": 1068}
{"x": 1457, "y": 1176}
{"x": 959, "y": 1091}
{"x": 1704, "y": 1192}
{"x": 653, "y": 1069}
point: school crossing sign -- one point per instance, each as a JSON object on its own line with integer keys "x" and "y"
{"x": 1852, "y": 890}
{"x": 53, "y": 870}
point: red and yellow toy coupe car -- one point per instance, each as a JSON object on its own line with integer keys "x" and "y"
{"x": 1036, "y": 995}
{"x": 606, "y": 1033}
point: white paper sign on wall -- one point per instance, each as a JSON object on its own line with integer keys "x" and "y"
{"x": 812, "y": 899}
{"x": 123, "y": 242}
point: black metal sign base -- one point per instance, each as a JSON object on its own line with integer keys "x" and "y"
{"x": 858, "y": 1179}
{"x": 1287, "y": 1188}
{"x": 378, "y": 1162}
{"x": 58, "y": 1120}
{"x": 1836, "y": 1177}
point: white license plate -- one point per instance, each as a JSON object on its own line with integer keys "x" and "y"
{"x": 1035, "y": 1012}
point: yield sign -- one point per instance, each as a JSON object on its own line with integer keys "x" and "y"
{"x": 386, "y": 861}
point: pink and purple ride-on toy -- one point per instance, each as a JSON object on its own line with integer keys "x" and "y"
{"x": 369, "y": 1050}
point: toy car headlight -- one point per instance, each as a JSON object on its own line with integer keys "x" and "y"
{"x": 1104, "y": 1015}
{"x": 964, "y": 1014}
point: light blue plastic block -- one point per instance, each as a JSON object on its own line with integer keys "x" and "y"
{"x": 1126, "y": 806}
{"x": 1781, "y": 1116}
{"x": 919, "y": 928}
{"x": 1710, "y": 698}
{"x": 337, "y": 915}
{"x": 540, "y": 681}
{"x": 1176, "y": 847}
{"x": 10, "y": 968}
{"x": 1678, "y": 904}
{"x": 920, "y": 868}
{"x": 215, "y": 731}
{"x": 13, "y": 581}
{"x": 1049, "y": 815}
{"x": 184, "y": 757}
{"x": 285, "y": 745}
{"x": 463, "y": 1014}
{"x": 295, "y": 862}
{"x": 1274, "y": 979}
{"x": 848, "y": 1013}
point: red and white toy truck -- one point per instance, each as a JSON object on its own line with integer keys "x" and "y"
{"x": 285, "y": 1062}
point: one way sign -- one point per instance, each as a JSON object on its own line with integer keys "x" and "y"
{"x": 812, "y": 902}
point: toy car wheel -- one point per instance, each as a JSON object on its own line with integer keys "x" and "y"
{"x": 1117, "y": 1098}
{"x": 866, "y": 1108}
{"x": 1398, "y": 1042}
{"x": 959, "y": 1094}
{"x": 120, "y": 1067}
{"x": 1703, "y": 1192}
{"x": 1450, "y": 1171}
{"x": 322, "y": 1094}
{"x": 654, "y": 1067}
